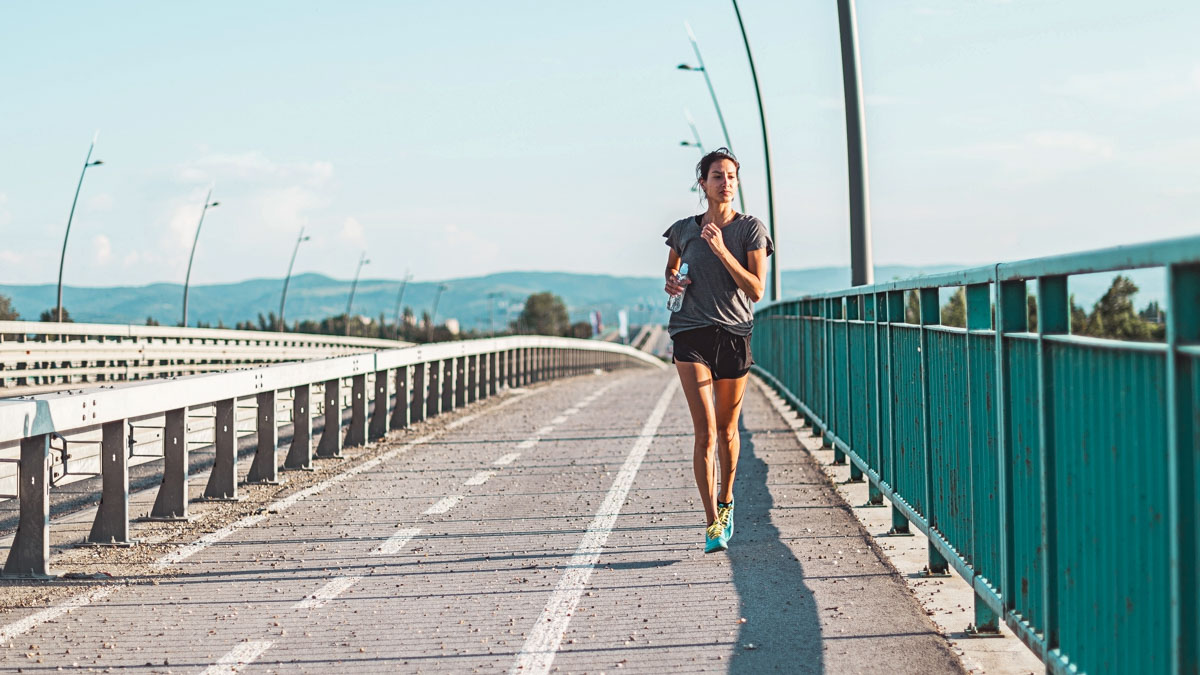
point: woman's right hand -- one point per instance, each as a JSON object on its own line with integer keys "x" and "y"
{"x": 674, "y": 287}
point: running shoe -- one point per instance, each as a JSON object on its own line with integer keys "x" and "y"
{"x": 725, "y": 515}
{"x": 714, "y": 537}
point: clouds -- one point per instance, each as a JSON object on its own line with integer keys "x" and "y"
{"x": 352, "y": 232}
{"x": 102, "y": 249}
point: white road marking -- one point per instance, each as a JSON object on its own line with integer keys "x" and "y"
{"x": 559, "y": 420}
{"x": 444, "y": 505}
{"x": 571, "y": 411}
{"x": 241, "y": 655}
{"x": 328, "y": 592}
{"x": 528, "y": 443}
{"x": 543, "y": 431}
{"x": 461, "y": 421}
{"x": 16, "y": 628}
{"x": 507, "y": 459}
{"x": 480, "y": 478}
{"x": 541, "y": 645}
{"x": 396, "y": 542}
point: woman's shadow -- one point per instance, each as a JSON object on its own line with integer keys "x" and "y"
{"x": 782, "y": 632}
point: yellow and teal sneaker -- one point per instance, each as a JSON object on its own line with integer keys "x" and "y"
{"x": 714, "y": 537}
{"x": 725, "y": 515}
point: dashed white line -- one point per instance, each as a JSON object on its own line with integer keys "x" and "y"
{"x": 559, "y": 420}
{"x": 51, "y": 613}
{"x": 543, "y": 431}
{"x": 396, "y": 542}
{"x": 570, "y": 411}
{"x": 328, "y": 592}
{"x": 238, "y": 657}
{"x": 507, "y": 459}
{"x": 528, "y": 443}
{"x": 540, "y": 647}
{"x": 444, "y": 505}
{"x": 480, "y": 478}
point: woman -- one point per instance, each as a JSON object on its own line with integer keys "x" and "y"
{"x": 726, "y": 253}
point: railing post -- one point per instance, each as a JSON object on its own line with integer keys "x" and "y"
{"x": 356, "y": 436}
{"x": 29, "y": 555}
{"x": 832, "y": 421}
{"x": 895, "y": 314}
{"x": 450, "y": 383}
{"x": 330, "y": 445}
{"x": 1183, "y": 329}
{"x": 979, "y": 318}
{"x": 401, "y": 409}
{"x": 491, "y": 361}
{"x": 172, "y": 499}
{"x": 1053, "y": 319}
{"x": 111, "y": 525}
{"x": 930, "y": 315}
{"x": 379, "y": 407}
{"x": 1011, "y": 317}
{"x": 419, "y": 396}
{"x": 852, "y": 314}
{"x": 472, "y": 378}
{"x": 433, "y": 406}
{"x": 870, "y": 314}
{"x": 265, "y": 469}
{"x": 460, "y": 382}
{"x": 300, "y": 453}
{"x": 222, "y": 480}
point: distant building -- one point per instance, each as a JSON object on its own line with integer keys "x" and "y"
{"x": 452, "y": 326}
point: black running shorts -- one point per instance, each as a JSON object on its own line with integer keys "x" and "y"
{"x": 726, "y": 355}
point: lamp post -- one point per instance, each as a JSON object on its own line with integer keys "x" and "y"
{"x": 491, "y": 310}
{"x": 862, "y": 270}
{"x": 362, "y": 260}
{"x": 437, "y": 296}
{"x": 58, "y": 312}
{"x": 762, "y": 116}
{"x": 695, "y": 134}
{"x": 288, "y": 278}
{"x": 400, "y": 298}
{"x": 187, "y": 279}
{"x": 713, "y": 93}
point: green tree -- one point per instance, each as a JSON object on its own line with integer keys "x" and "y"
{"x": 1079, "y": 318}
{"x": 151, "y": 321}
{"x": 51, "y": 315}
{"x": 1031, "y": 312}
{"x": 954, "y": 312}
{"x": 7, "y": 313}
{"x": 1114, "y": 317}
{"x": 544, "y": 314}
{"x": 912, "y": 307}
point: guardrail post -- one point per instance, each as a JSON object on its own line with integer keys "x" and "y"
{"x": 979, "y": 318}
{"x": 172, "y": 499}
{"x": 357, "y": 434}
{"x": 472, "y": 378}
{"x": 111, "y": 525}
{"x": 852, "y": 314}
{"x": 894, "y": 312}
{"x": 450, "y": 383}
{"x": 1053, "y": 319}
{"x": 379, "y": 409}
{"x": 517, "y": 372}
{"x": 300, "y": 453}
{"x": 433, "y": 405}
{"x": 930, "y": 315}
{"x": 460, "y": 381}
{"x": 419, "y": 396}
{"x": 487, "y": 369}
{"x": 1183, "y": 329}
{"x": 222, "y": 480}
{"x": 832, "y": 420}
{"x": 1011, "y": 317}
{"x": 29, "y": 555}
{"x": 871, "y": 315}
{"x": 265, "y": 469}
{"x": 401, "y": 409}
{"x": 330, "y": 445}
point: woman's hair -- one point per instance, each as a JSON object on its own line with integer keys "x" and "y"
{"x": 711, "y": 158}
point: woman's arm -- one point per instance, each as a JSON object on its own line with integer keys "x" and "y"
{"x": 674, "y": 287}
{"x": 753, "y": 281}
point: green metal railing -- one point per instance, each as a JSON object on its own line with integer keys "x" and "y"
{"x": 1055, "y": 472}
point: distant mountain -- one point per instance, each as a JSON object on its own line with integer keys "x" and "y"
{"x": 314, "y": 296}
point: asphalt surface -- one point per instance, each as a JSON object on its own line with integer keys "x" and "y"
{"x": 556, "y": 528}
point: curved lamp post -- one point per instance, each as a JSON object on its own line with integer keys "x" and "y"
{"x": 862, "y": 270}
{"x": 288, "y": 278}
{"x": 695, "y": 135}
{"x": 400, "y": 298}
{"x": 188, "y": 279}
{"x": 433, "y": 314}
{"x": 362, "y": 260}
{"x": 58, "y": 311}
{"x": 762, "y": 116}
{"x": 713, "y": 93}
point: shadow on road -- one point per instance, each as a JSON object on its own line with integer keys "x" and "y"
{"x": 782, "y": 632}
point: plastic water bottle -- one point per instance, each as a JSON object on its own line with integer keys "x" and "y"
{"x": 675, "y": 302}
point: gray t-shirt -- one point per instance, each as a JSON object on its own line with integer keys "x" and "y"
{"x": 713, "y": 298}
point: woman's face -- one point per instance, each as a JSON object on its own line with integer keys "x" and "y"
{"x": 721, "y": 182}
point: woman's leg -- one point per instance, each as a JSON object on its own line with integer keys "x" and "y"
{"x": 697, "y": 389}
{"x": 728, "y": 409}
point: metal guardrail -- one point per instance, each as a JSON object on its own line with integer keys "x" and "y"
{"x": 1056, "y": 473}
{"x": 38, "y": 355}
{"x": 389, "y": 389}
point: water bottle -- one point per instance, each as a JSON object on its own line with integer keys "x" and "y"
{"x": 675, "y": 302}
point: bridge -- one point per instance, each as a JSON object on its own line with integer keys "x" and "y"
{"x": 907, "y": 490}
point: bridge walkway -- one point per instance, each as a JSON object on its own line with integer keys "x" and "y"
{"x": 485, "y": 540}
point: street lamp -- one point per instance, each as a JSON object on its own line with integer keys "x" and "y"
{"x": 491, "y": 309}
{"x": 433, "y": 314}
{"x": 862, "y": 270}
{"x": 187, "y": 279}
{"x": 762, "y": 116}
{"x": 695, "y": 134}
{"x": 283, "y": 298}
{"x": 713, "y": 93}
{"x": 400, "y": 298}
{"x": 58, "y": 312}
{"x": 362, "y": 260}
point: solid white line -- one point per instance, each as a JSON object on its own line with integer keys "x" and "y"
{"x": 241, "y": 655}
{"x": 396, "y": 542}
{"x": 507, "y": 459}
{"x": 480, "y": 478}
{"x": 547, "y": 633}
{"x": 328, "y": 592}
{"x": 16, "y": 628}
{"x": 444, "y": 505}
{"x": 528, "y": 443}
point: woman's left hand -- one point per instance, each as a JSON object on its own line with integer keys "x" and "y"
{"x": 712, "y": 234}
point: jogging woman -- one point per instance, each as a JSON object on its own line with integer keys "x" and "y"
{"x": 726, "y": 253}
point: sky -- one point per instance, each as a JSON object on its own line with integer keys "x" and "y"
{"x": 460, "y": 138}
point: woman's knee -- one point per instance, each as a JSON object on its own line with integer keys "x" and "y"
{"x": 728, "y": 437}
{"x": 705, "y": 439}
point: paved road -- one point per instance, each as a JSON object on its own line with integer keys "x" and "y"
{"x": 496, "y": 545}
